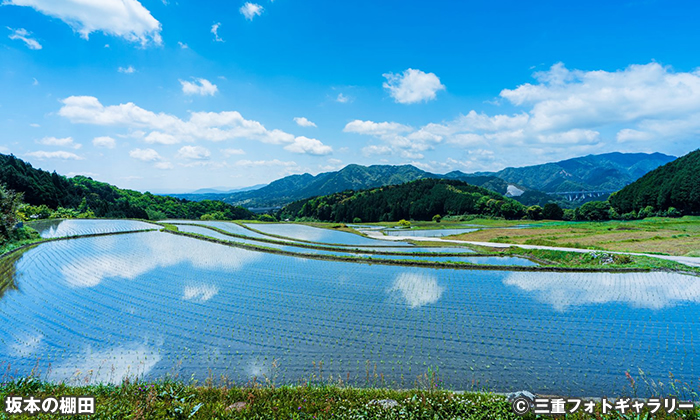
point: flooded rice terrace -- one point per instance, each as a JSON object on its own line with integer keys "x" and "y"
{"x": 152, "y": 304}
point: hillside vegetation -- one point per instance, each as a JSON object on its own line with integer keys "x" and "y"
{"x": 49, "y": 193}
{"x": 674, "y": 187}
{"x": 417, "y": 200}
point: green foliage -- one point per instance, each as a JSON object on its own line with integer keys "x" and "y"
{"x": 593, "y": 211}
{"x": 534, "y": 213}
{"x": 418, "y": 200}
{"x": 217, "y": 215}
{"x": 403, "y": 223}
{"x": 10, "y": 203}
{"x": 552, "y": 211}
{"x": 357, "y": 220}
{"x": 267, "y": 218}
{"x": 437, "y": 218}
{"x": 675, "y": 185}
{"x": 82, "y": 197}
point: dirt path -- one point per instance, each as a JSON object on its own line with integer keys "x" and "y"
{"x": 689, "y": 261}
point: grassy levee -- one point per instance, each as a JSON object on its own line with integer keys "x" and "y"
{"x": 414, "y": 263}
{"x": 172, "y": 399}
{"x": 656, "y": 235}
{"x": 332, "y": 247}
{"x": 553, "y": 261}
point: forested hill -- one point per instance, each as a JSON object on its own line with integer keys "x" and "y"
{"x": 42, "y": 188}
{"x": 605, "y": 172}
{"x": 417, "y": 200}
{"x": 674, "y": 185}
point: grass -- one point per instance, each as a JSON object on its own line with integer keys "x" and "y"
{"x": 174, "y": 399}
{"x": 654, "y": 235}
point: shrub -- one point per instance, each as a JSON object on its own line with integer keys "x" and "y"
{"x": 403, "y": 223}
{"x": 357, "y": 220}
{"x": 267, "y": 218}
{"x": 437, "y": 218}
{"x": 534, "y": 213}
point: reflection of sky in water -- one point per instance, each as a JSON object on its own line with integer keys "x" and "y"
{"x": 69, "y": 227}
{"x": 309, "y": 233}
{"x": 468, "y": 259}
{"x": 163, "y": 304}
{"x": 417, "y": 289}
{"x": 652, "y": 290}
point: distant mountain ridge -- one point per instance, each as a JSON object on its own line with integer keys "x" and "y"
{"x": 606, "y": 172}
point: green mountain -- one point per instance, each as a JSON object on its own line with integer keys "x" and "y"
{"x": 606, "y": 172}
{"x": 674, "y": 185}
{"x": 417, "y": 200}
{"x": 42, "y": 188}
{"x": 528, "y": 185}
{"x": 351, "y": 177}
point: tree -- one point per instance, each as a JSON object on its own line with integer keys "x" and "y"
{"x": 552, "y": 211}
{"x": 594, "y": 211}
{"x": 534, "y": 213}
{"x": 10, "y": 203}
{"x": 437, "y": 218}
{"x": 403, "y": 223}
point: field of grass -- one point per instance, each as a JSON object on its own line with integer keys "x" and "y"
{"x": 654, "y": 235}
{"x": 177, "y": 400}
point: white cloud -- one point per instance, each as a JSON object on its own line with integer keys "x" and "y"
{"x": 412, "y": 86}
{"x": 309, "y": 146}
{"x": 200, "y": 293}
{"x": 304, "y": 122}
{"x": 104, "y": 141}
{"x": 60, "y": 142}
{"x": 376, "y": 150}
{"x": 126, "y": 70}
{"x": 60, "y": 154}
{"x": 160, "y": 138}
{"x": 215, "y": 31}
{"x": 232, "y": 152}
{"x": 376, "y": 129}
{"x": 168, "y": 129}
{"x": 250, "y": 10}
{"x": 163, "y": 165}
{"x": 127, "y": 19}
{"x": 24, "y": 35}
{"x": 198, "y": 87}
{"x": 417, "y": 289}
{"x": 343, "y": 99}
{"x": 193, "y": 153}
{"x": 182, "y": 45}
{"x": 274, "y": 162}
{"x": 35, "y": 82}
{"x": 146, "y": 155}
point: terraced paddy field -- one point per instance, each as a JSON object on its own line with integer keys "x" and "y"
{"x": 152, "y": 304}
{"x": 56, "y": 228}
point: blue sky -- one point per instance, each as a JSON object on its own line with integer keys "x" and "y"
{"x": 178, "y": 95}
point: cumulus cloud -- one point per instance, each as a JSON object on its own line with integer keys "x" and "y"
{"x": 23, "y": 35}
{"x": 126, "y": 70}
{"x": 163, "y": 165}
{"x": 60, "y": 142}
{"x": 198, "y": 87}
{"x": 126, "y": 19}
{"x": 193, "y": 153}
{"x": 561, "y": 114}
{"x": 303, "y": 122}
{"x": 59, "y": 154}
{"x": 146, "y": 155}
{"x": 250, "y": 10}
{"x": 168, "y": 129}
{"x": 303, "y": 144}
{"x": 274, "y": 162}
{"x": 104, "y": 141}
{"x": 232, "y": 152}
{"x": 215, "y": 32}
{"x": 412, "y": 86}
